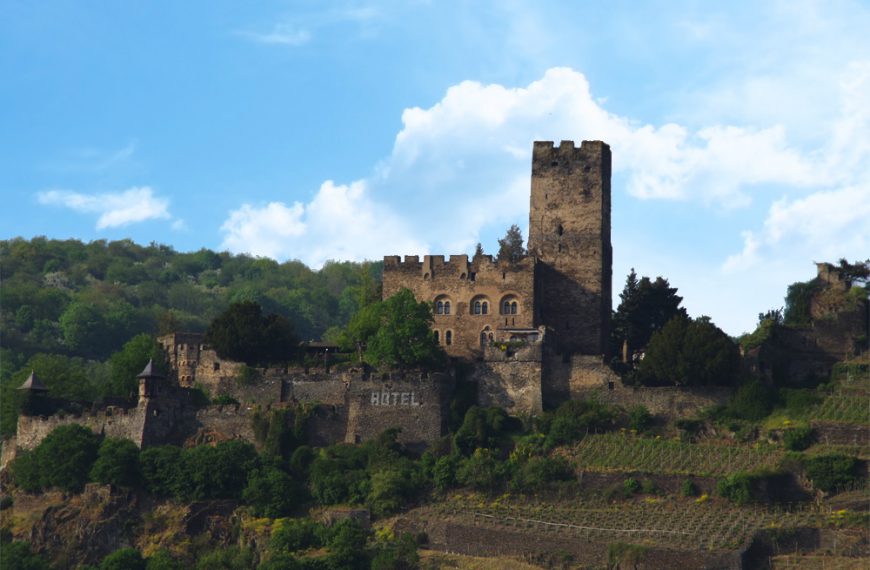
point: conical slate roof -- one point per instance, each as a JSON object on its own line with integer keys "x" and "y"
{"x": 149, "y": 372}
{"x": 33, "y": 384}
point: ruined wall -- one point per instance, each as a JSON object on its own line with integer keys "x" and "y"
{"x": 462, "y": 282}
{"x": 112, "y": 422}
{"x": 509, "y": 377}
{"x": 569, "y": 232}
{"x": 572, "y": 376}
{"x": 414, "y": 403}
{"x": 666, "y": 401}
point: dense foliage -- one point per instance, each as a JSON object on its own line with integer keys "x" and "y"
{"x": 244, "y": 334}
{"x": 403, "y": 337}
{"x": 84, "y": 315}
{"x": 689, "y": 352}
{"x": 510, "y": 247}
{"x": 645, "y": 306}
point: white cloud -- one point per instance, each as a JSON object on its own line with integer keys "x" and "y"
{"x": 340, "y": 222}
{"x": 281, "y": 34}
{"x": 119, "y": 209}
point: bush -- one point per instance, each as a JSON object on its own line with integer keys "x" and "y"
{"x": 539, "y": 471}
{"x": 292, "y": 535}
{"x": 831, "y": 472}
{"x": 630, "y": 486}
{"x": 219, "y": 472}
{"x": 574, "y": 419}
{"x": 798, "y": 439}
{"x": 482, "y": 427}
{"x": 117, "y": 463}
{"x": 123, "y": 559}
{"x": 648, "y": 487}
{"x": 639, "y": 418}
{"x": 397, "y": 554}
{"x": 736, "y": 488}
{"x": 392, "y": 487}
{"x": 163, "y": 560}
{"x": 63, "y": 460}
{"x": 160, "y": 467}
{"x": 17, "y": 556}
{"x": 481, "y": 471}
{"x": 752, "y": 401}
{"x": 272, "y": 493}
{"x": 444, "y": 472}
{"x": 689, "y": 488}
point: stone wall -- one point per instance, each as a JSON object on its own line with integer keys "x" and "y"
{"x": 510, "y": 379}
{"x": 414, "y": 403}
{"x": 573, "y": 376}
{"x": 462, "y": 282}
{"x": 112, "y": 422}
{"x": 666, "y": 401}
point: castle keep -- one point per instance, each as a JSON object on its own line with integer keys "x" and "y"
{"x": 561, "y": 291}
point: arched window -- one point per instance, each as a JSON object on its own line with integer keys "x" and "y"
{"x": 448, "y": 338}
{"x": 509, "y": 305}
{"x": 442, "y": 305}
{"x": 437, "y": 337}
{"x": 479, "y": 305}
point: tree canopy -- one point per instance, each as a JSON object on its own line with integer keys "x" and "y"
{"x": 404, "y": 338}
{"x": 645, "y": 306}
{"x": 243, "y": 333}
{"x": 510, "y": 247}
{"x": 688, "y": 352}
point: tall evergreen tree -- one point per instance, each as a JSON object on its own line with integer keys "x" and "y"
{"x": 510, "y": 248}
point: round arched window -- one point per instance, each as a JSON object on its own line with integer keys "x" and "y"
{"x": 509, "y": 305}
{"x": 443, "y": 306}
{"x": 479, "y": 305}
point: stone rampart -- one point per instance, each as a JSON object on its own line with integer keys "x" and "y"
{"x": 513, "y": 385}
{"x": 413, "y": 403}
{"x": 111, "y": 422}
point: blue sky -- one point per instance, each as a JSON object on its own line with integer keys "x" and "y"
{"x": 351, "y": 130}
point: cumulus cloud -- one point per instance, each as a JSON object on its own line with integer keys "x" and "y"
{"x": 340, "y": 222}
{"x": 133, "y": 205}
{"x": 458, "y": 173}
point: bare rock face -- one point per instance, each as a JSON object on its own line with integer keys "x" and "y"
{"x": 85, "y": 528}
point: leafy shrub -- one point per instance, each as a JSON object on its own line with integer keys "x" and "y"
{"x": 224, "y": 400}
{"x": 689, "y": 488}
{"x": 444, "y": 471}
{"x": 575, "y": 418}
{"x": 393, "y": 486}
{"x": 752, "y": 401}
{"x": 539, "y": 471}
{"x": 798, "y": 439}
{"x": 481, "y": 471}
{"x": 17, "y": 556}
{"x": 482, "y": 427}
{"x": 123, "y": 559}
{"x": 163, "y": 560}
{"x": 648, "y": 487}
{"x": 630, "y": 486}
{"x": 831, "y": 472}
{"x": 797, "y": 402}
{"x": 117, "y": 463}
{"x": 272, "y": 493}
{"x": 399, "y": 553}
{"x": 736, "y": 488}
{"x": 639, "y": 418}
{"x": 219, "y": 472}
{"x": 292, "y": 535}
{"x": 160, "y": 467}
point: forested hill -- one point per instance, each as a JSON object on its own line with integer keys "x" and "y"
{"x": 86, "y": 300}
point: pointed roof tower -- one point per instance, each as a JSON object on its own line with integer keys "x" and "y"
{"x": 33, "y": 384}
{"x": 148, "y": 371}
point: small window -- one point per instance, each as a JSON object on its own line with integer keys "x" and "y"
{"x": 217, "y": 366}
{"x": 476, "y": 307}
{"x": 446, "y": 307}
{"x": 448, "y": 338}
{"x": 437, "y": 337}
{"x": 560, "y": 229}
{"x": 479, "y": 306}
{"x": 484, "y": 308}
{"x": 439, "y": 307}
{"x": 513, "y": 307}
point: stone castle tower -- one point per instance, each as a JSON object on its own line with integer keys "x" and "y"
{"x": 569, "y": 233}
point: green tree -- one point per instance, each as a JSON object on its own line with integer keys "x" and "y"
{"x": 797, "y": 302}
{"x": 17, "y": 556}
{"x": 510, "y": 247}
{"x": 244, "y": 334}
{"x": 689, "y": 353}
{"x": 117, "y": 463}
{"x": 63, "y": 460}
{"x": 160, "y": 467}
{"x": 272, "y": 493}
{"x": 85, "y": 329}
{"x": 645, "y": 306}
{"x": 404, "y": 338}
{"x": 219, "y": 472}
{"x": 131, "y": 359}
{"x": 123, "y": 559}
{"x": 163, "y": 560}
